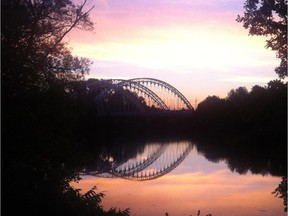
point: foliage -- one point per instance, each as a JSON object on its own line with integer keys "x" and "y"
{"x": 268, "y": 18}
{"x": 246, "y": 121}
{"x": 32, "y": 33}
{"x": 41, "y": 144}
{"x": 238, "y": 94}
{"x": 46, "y": 110}
{"x": 240, "y": 106}
{"x": 43, "y": 105}
{"x": 281, "y": 192}
{"x": 243, "y": 126}
{"x": 89, "y": 203}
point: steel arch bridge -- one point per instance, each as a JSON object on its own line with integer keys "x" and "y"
{"x": 142, "y": 93}
{"x": 155, "y": 161}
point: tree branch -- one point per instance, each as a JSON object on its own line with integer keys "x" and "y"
{"x": 78, "y": 18}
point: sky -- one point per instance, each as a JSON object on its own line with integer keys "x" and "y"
{"x": 196, "y": 46}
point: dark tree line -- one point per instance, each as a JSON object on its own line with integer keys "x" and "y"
{"x": 41, "y": 110}
{"x": 248, "y": 130}
{"x": 262, "y": 110}
{"x": 47, "y": 114}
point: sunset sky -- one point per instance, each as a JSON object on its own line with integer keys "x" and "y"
{"x": 194, "y": 45}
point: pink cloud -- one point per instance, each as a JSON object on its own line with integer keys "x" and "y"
{"x": 119, "y": 18}
{"x": 190, "y": 44}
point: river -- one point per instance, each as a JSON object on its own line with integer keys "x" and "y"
{"x": 176, "y": 178}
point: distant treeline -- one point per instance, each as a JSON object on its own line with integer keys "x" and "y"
{"x": 48, "y": 135}
{"x": 49, "y": 120}
{"x": 260, "y": 111}
{"x": 247, "y": 129}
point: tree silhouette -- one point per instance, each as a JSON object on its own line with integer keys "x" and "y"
{"x": 281, "y": 192}
{"x": 32, "y": 39}
{"x": 268, "y": 18}
{"x": 42, "y": 110}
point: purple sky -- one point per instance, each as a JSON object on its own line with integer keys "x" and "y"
{"x": 196, "y": 46}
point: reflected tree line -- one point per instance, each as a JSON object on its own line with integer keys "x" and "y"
{"x": 50, "y": 137}
{"x": 246, "y": 129}
{"x": 249, "y": 127}
{"x": 50, "y": 129}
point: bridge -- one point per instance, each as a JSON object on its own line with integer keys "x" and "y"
{"x": 136, "y": 95}
{"x": 154, "y": 161}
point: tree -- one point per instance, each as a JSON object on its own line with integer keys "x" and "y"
{"x": 238, "y": 95}
{"x": 276, "y": 85}
{"x": 281, "y": 192}
{"x": 268, "y": 18}
{"x": 258, "y": 90}
{"x": 36, "y": 57}
{"x": 210, "y": 103}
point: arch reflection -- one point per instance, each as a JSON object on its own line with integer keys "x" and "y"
{"x": 153, "y": 161}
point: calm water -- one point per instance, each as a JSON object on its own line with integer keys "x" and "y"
{"x": 174, "y": 177}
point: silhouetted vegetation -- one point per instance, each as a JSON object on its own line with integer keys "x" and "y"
{"x": 281, "y": 192}
{"x": 50, "y": 129}
{"x": 268, "y": 18}
{"x": 42, "y": 110}
{"x": 246, "y": 129}
{"x": 247, "y": 125}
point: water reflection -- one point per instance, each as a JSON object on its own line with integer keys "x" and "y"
{"x": 191, "y": 182}
{"x": 154, "y": 161}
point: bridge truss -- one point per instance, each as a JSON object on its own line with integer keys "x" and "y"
{"x": 140, "y": 94}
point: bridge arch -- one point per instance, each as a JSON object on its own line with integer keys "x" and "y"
{"x": 167, "y": 86}
{"x": 154, "y": 92}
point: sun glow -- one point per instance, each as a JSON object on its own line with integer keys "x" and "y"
{"x": 196, "y": 46}
{"x": 177, "y": 47}
{"x": 193, "y": 191}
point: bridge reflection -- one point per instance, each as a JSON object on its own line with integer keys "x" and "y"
{"x": 154, "y": 161}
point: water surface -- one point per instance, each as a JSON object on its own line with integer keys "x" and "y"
{"x": 193, "y": 183}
